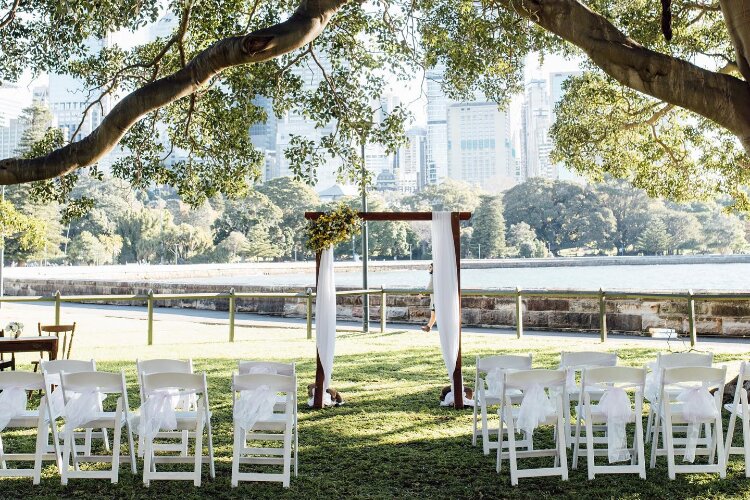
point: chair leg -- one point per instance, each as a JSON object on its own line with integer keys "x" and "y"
{"x": 589, "y": 444}
{"x": 198, "y": 451}
{"x": 577, "y": 443}
{"x": 65, "y": 458}
{"x": 185, "y": 443}
{"x": 640, "y": 448}
{"x": 669, "y": 443}
{"x": 512, "y": 459}
{"x": 131, "y": 447}
{"x": 720, "y": 447}
{"x": 116, "y": 451}
{"x": 287, "y": 456}
{"x": 147, "y": 460}
{"x": 42, "y": 432}
{"x": 474, "y": 424}
{"x": 236, "y": 456}
{"x": 211, "y": 466}
{"x": 2, "y": 454}
{"x": 296, "y": 444}
{"x": 649, "y": 422}
{"x": 562, "y": 449}
{"x": 655, "y": 439}
{"x": 745, "y": 439}
{"x": 105, "y": 438}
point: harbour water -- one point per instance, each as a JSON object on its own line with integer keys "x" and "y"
{"x": 718, "y": 276}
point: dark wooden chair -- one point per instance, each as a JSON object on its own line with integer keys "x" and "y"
{"x": 64, "y": 334}
{"x": 7, "y": 364}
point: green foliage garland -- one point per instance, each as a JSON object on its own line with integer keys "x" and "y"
{"x": 332, "y": 228}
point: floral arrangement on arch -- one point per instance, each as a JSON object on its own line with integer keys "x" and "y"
{"x": 332, "y": 228}
{"x": 14, "y": 328}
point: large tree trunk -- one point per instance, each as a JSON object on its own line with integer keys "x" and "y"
{"x": 719, "y": 97}
{"x": 305, "y": 24}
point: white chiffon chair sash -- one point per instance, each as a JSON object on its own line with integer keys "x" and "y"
{"x": 12, "y": 404}
{"x": 653, "y": 382}
{"x": 536, "y": 407}
{"x": 615, "y": 404}
{"x": 253, "y": 406}
{"x": 698, "y": 405}
{"x": 82, "y": 407}
{"x": 158, "y": 412}
{"x": 494, "y": 380}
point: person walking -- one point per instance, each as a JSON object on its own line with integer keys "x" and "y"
{"x": 431, "y": 322}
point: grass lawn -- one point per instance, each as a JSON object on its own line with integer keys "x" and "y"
{"x": 390, "y": 439}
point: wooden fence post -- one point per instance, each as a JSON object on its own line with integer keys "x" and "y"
{"x": 232, "y": 305}
{"x": 602, "y": 316}
{"x": 519, "y": 314}
{"x": 691, "y": 319}
{"x": 309, "y": 313}
{"x": 150, "y": 306}
{"x": 383, "y": 309}
{"x": 57, "y": 307}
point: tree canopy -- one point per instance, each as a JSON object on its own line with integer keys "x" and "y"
{"x": 676, "y": 95}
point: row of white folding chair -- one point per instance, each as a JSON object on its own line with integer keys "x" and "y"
{"x": 653, "y": 382}
{"x": 277, "y": 423}
{"x": 195, "y": 421}
{"x": 678, "y": 412}
{"x": 489, "y": 371}
{"x": 282, "y": 401}
{"x": 598, "y": 383}
{"x": 552, "y": 383}
{"x": 572, "y": 363}
{"x": 739, "y": 408}
{"x": 28, "y": 419}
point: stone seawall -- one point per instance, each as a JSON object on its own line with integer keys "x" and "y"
{"x": 728, "y": 318}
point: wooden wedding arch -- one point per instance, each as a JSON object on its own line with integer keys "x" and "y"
{"x": 456, "y": 218}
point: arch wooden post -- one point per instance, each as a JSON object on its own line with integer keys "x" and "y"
{"x": 319, "y": 374}
{"x": 456, "y": 217}
{"x": 458, "y": 396}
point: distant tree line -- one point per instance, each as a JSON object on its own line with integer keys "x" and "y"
{"x": 537, "y": 218}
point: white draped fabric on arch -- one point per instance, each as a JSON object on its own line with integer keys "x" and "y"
{"x": 447, "y": 298}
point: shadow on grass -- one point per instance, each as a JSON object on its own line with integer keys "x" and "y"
{"x": 391, "y": 439}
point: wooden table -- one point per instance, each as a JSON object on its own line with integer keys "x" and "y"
{"x": 9, "y": 345}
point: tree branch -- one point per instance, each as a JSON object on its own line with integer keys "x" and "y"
{"x": 721, "y": 98}
{"x": 737, "y": 18}
{"x": 304, "y": 25}
{"x": 10, "y": 15}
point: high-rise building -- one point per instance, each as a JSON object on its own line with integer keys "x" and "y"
{"x": 479, "y": 148}
{"x": 437, "y": 128}
{"x": 556, "y": 94}
{"x": 536, "y": 120}
{"x": 295, "y": 123}
{"x": 411, "y": 161}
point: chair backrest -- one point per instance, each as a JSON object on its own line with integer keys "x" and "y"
{"x": 251, "y": 381}
{"x": 707, "y": 376}
{"x": 66, "y": 331}
{"x": 504, "y": 362}
{"x": 246, "y": 367}
{"x": 31, "y": 381}
{"x": 619, "y": 376}
{"x": 67, "y": 365}
{"x": 523, "y": 379}
{"x": 582, "y": 359}
{"x": 103, "y": 382}
{"x": 195, "y": 382}
{"x": 149, "y": 366}
{"x": 678, "y": 359}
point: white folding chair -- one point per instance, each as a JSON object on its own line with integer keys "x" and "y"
{"x": 83, "y": 393}
{"x": 270, "y": 425}
{"x": 739, "y": 408}
{"x": 693, "y": 407}
{"x": 653, "y": 382}
{"x": 573, "y": 363}
{"x": 173, "y": 385}
{"x": 149, "y": 366}
{"x": 275, "y": 368}
{"x": 610, "y": 385}
{"x": 14, "y": 384}
{"x": 52, "y": 370}
{"x": 489, "y": 371}
{"x": 549, "y": 385}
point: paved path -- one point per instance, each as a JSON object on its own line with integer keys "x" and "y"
{"x": 174, "y": 319}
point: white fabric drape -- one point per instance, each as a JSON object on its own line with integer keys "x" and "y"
{"x": 82, "y": 407}
{"x": 445, "y": 283}
{"x": 325, "y": 315}
{"x": 12, "y": 404}
{"x": 158, "y": 413}
{"x": 615, "y": 404}
{"x": 494, "y": 380}
{"x": 253, "y": 406}
{"x": 698, "y": 405}
{"x": 536, "y": 407}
